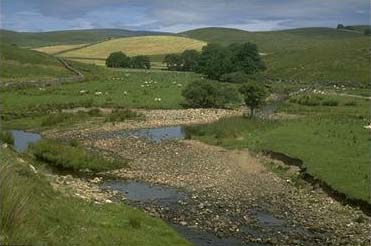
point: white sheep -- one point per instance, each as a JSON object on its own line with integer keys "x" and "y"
{"x": 98, "y": 93}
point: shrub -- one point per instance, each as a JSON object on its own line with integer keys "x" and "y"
{"x": 7, "y": 137}
{"x": 307, "y": 100}
{"x": 140, "y": 62}
{"x": 118, "y": 59}
{"x": 56, "y": 118}
{"x": 118, "y": 115}
{"x": 208, "y": 94}
{"x": 254, "y": 95}
{"x": 135, "y": 221}
{"x": 330, "y": 102}
{"x": 235, "y": 77}
{"x": 69, "y": 156}
{"x": 351, "y": 103}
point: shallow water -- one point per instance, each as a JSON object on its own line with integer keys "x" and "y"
{"x": 201, "y": 238}
{"x": 143, "y": 192}
{"x": 23, "y": 139}
{"x": 153, "y": 134}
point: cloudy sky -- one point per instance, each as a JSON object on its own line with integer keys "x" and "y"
{"x": 180, "y": 15}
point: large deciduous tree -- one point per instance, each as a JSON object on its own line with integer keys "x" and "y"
{"x": 254, "y": 95}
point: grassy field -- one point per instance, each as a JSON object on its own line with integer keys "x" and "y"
{"x": 147, "y": 45}
{"x": 331, "y": 140}
{"x": 58, "y": 48}
{"x": 308, "y": 54}
{"x": 125, "y": 88}
{"x": 63, "y": 220}
{"x": 23, "y": 65}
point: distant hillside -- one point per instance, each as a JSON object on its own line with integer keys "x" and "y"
{"x": 311, "y": 54}
{"x": 154, "y": 46}
{"x": 38, "y": 39}
{"x": 19, "y": 64}
{"x": 269, "y": 41}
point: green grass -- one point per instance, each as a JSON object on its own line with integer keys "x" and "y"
{"x": 71, "y": 156}
{"x": 23, "y": 65}
{"x": 119, "y": 88}
{"x": 331, "y": 140}
{"x": 307, "y": 54}
{"x": 34, "y": 214}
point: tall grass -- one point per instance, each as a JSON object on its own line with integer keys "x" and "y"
{"x": 6, "y": 137}
{"x": 14, "y": 198}
{"x": 71, "y": 156}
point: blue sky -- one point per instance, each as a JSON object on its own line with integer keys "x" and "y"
{"x": 180, "y": 15}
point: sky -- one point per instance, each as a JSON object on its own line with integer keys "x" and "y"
{"x": 180, "y": 15}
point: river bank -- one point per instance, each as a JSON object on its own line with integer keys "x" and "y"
{"x": 229, "y": 193}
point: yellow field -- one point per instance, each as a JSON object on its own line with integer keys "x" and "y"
{"x": 147, "y": 45}
{"x": 89, "y": 61}
{"x": 58, "y": 48}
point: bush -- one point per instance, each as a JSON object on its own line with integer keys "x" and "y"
{"x": 209, "y": 94}
{"x": 351, "y": 103}
{"x": 330, "y": 102}
{"x": 7, "y": 137}
{"x": 118, "y": 59}
{"x": 70, "y": 156}
{"x": 135, "y": 220}
{"x": 56, "y": 118}
{"x": 140, "y": 62}
{"x": 118, "y": 115}
{"x": 307, "y": 100}
{"x": 235, "y": 77}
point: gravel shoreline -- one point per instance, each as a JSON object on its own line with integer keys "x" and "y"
{"x": 227, "y": 190}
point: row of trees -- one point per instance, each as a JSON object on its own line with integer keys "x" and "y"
{"x": 215, "y": 60}
{"x": 211, "y": 94}
{"x": 121, "y": 60}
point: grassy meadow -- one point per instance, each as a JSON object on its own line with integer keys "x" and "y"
{"x": 331, "y": 140}
{"x": 58, "y": 48}
{"x": 48, "y": 217}
{"x": 146, "y": 45}
{"x": 19, "y": 64}
{"x": 307, "y": 54}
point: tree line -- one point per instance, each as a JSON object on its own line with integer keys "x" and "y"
{"x": 216, "y": 61}
{"x": 121, "y": 60}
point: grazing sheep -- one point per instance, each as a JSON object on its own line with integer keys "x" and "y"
{"x": 83, "y": 92}
{"x": 98, "y": 93}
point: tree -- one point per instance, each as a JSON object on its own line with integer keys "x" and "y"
{"x": 173, "y": 62}
{"x": 254, "y": 95}
{"x": 118, "y": 59}
{"x": 209, "y": 94}
{"x": 340, "y": 26}
{"x": 190, "y": 60}
{"x": 246, "y": 58}
{"x": 141, "y": 62}
{"x": 214, "y": 61}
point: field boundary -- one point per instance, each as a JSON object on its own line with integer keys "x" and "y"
{"x": 341, "y": 197}
{"x": 31, "y": 83}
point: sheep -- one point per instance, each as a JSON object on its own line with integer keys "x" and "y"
{"x": 84, "y": 92}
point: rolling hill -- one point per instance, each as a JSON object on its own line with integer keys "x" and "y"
{"x": 38, "y": 39}
{"x": 147, "y": 45}
{"x": 18, "y": 65}
{"x": 307, "y": 54}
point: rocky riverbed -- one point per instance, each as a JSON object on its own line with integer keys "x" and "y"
{"x": 229, "y": 193}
